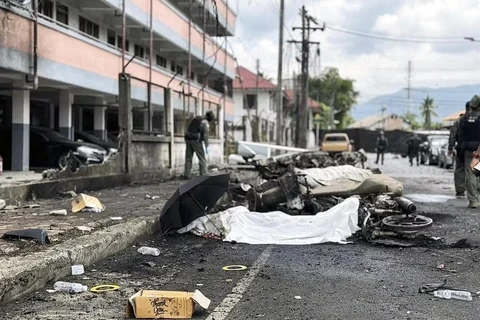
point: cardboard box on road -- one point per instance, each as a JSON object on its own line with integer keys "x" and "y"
{"x": 152, "y": 304}
{"x": 83, "y": 201}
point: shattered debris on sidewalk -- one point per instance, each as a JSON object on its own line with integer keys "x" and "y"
{"x": 312, "y": 197}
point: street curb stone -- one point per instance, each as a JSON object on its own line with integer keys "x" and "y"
{"x": 25, "y": 274}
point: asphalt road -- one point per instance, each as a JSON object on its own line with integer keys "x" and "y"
{"x": 355, "y": 281}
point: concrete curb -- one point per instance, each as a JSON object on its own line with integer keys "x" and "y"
{"x": 25, "y": 274}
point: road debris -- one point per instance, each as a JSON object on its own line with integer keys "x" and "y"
{"x": 148, "y": 251}
{"x": 84, "y": 228}
{"x": 105, "y": 288}
{"x": 86, "y": 203}
{"x": 441, "y": 266}
{"x": 453, "y": 294}
{"x": 69, "y": 287}
{"x": 30, "y": 206}
{"x": 3, "y": 204}
{"x": 298, "y": 297}
{"x": 61, "y": 212}
{"x": 148, "y": 304}
{"x": 147, "y": 196}
{"x": 235, "y": 268}
{"x": 10, "y": 208}
{"x": 38, "y": 235}
{"x": 116, "y": 218}
{"x": 68, "y": 194}
{"x": 78, "y": 269}
{"x": 149, "y": 264}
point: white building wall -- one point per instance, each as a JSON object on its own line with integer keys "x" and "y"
{"x": 266, "y": 101}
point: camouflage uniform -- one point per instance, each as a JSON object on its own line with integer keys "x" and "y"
{"x": 459, "y": 173}
{"x": 469, "y": 134}
{"x": 196, "y": 134}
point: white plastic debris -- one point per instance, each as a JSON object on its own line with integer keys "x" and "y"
{"x": 116, "y": 218}
{"x": 61, "y": 212}
{"x": 149, "y": 251}
{"x": 3, "y": 204}
{"x": 78, "y": 269}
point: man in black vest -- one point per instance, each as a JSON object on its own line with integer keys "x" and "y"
{"x": 382, "y": 145}
{"x": 197, "y": 133}
{"x": 455, "y": 150}
{"x": 469, "y": 134}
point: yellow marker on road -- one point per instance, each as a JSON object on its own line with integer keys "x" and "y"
{"x": 235, "y": 268}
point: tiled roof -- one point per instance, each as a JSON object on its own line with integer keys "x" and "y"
{"x": 250, "y": 80}
{"x": 290, "y": 95}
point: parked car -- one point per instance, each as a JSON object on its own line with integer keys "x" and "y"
{"x": 444, "y": 159}
{"x": 50, "y": 149}
{"x": 336, "y": 143}
{"x": 430, "y": 149}
{"x": 109, "y": 145}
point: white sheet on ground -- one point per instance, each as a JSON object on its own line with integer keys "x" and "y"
{"x": 240, "y": 225}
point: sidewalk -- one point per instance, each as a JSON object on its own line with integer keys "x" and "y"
{"x": 27, "y": 266}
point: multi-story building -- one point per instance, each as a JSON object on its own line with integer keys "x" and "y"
{"x": 61, "y": 70}
{"x": 255, "y": 107}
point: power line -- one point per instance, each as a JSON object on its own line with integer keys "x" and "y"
{"x": 396, "y": 39}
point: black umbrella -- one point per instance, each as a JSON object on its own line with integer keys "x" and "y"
{"x": 192, "y": 200}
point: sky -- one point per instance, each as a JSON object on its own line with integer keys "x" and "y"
{"x": 435, "y": 30}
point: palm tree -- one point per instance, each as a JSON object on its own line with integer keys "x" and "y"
{"x": 428, "y": 111}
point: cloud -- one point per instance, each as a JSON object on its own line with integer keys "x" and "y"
{"x": 377, "y": 66}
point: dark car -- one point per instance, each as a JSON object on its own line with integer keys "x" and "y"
{"x": 431, "y": 148}
{"x": 50, "y": 149}
{"x": 109, "y": 145}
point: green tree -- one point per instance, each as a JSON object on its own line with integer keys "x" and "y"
{"x": 336, "y": 92}
{"x": 412, "y": 119}
{"x": 428, "y": 111}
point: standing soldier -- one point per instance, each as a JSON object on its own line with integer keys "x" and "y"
{"x": 469, "y": 130}
{"x": 382, "y": 145}
{"x": 196, "y": 134}
{"x": 414, "y": 148}
{"x": 455, "y": 146}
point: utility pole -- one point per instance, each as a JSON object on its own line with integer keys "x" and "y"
{"x": 409, "y": 83}
{"x": 256, "y": 122}
{"x": 302, "y": 115}
{"x": 279, "y": 139}
{"x": 384, "y": 108}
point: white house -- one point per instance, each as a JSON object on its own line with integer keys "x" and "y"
{"x": 245, "y": 88}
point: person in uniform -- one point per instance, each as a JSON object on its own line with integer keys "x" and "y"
{"x": 197, "y": 134}
{"x": 413, "y": 145}
{"x": 469, "y": 135}
{"x": 455, "y": 151}
{"x": 382, "y": 145}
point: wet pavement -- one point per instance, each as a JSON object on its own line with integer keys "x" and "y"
{"x": 355, "y": 281}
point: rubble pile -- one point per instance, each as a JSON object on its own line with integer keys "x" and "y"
{"x": 314, "y": 184}
{"x": 273, "y": 168}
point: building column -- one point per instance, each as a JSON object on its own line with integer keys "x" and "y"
{"x": 65, "y": 113}
{"x": 20, "y": 129}
{"x": 99, "y": 118}
{"x": 221, "y": 130}
{"x": 52, "y": 116}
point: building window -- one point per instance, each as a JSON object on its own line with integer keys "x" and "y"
{"x": 192, "y": 76}
{"x": 119, "y": 43}
{"x": 161, "y": 61}
{"x": 249, "y": 101}
{"x": 139, "y": 51}
{"x": 62, "y": 14}
{"x": 173, "y": 66}
{"x": 180, "y": 70}
{"x": 111, "y": 37}
{"x": 45, "y": 7}
{"x": 89, "y": 27}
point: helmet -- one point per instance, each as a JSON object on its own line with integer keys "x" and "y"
{"x": 475, "y": 102}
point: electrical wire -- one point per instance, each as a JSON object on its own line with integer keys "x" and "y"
{"x": 449, "y": 40}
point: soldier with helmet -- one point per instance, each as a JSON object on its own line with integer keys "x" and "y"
{"x": 469, "y": 134}
{"x": 197, "y": 133}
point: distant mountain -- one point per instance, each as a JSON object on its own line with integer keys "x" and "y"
{"x": 449, "y": 101}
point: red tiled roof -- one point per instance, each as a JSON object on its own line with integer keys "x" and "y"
{"x": 250, "y": 80}
{"x": 312, "y": 104}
